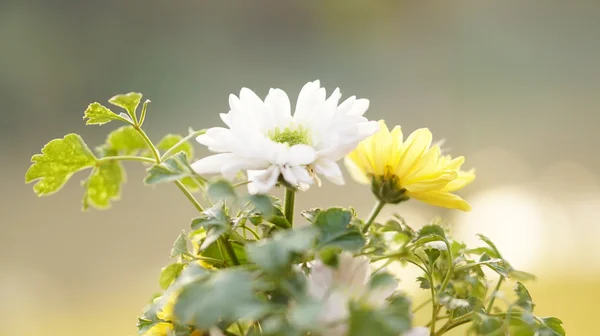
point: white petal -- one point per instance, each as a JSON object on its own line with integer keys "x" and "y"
{"x": 417, "y": 331}
{"x": 301, "y": 155}
{"x": 302, "y": 174}
{"x": 279, "y": 104}
{"x": 330, "y": 170}
{"x": 346, "y": 105}
{"x": 230, "y": 170}
{"x": 311, "y": 96}
{"x": 262, "y": 181}
{"x": 213, "y": 164}
{"x": 289, "y": 176}
{"x": 359, "y": 108}
{"x": 215, "y": 332}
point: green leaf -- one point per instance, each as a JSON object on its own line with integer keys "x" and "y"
{"x": 555, "y": 325}
{"x": 129, "y": 102}
{"x": 304, "y": 314}
{"x": 432, "y": 229}
{"x": 424, "y": 283}
{"x": 336, "y": 231}
{"x": 524, "y": 299}
{"x": 174, "y": 168}
{"x": 60, "y": 159}
{"x": 180, "y": 246}
{"x": 451, "y": 302}
{"x": 392, "y": 320}
{"x": 97, "y": 114}
{"x": 125, "y": 140}
{"x": 227, "y": 295}
{"x": 275, "y": 254}
{"x": 311, "y": 214}
{"x": 103, "y": 185}
{"x": 170, "y": 140}
{"x": 215, "y": 221}
{"x": 221, "y": 190}
{"x": 169, "y": 274}
{"x": 383, "y": 279}
{"x": 263, "y": 204}
{"x": 491, "y": 245}
{"x": 485, "y": 325}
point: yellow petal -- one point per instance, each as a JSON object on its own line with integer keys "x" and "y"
{"x": 425, "y": 167}
{"x": 395, "y": 146}
{"x": 437, "y": 182}
{"x": 357, "y": 173}
{"x": 453, "y": 163}
{"x": 159, "y": 329}
{"x": 412, "y": 151}
{"x": 442, "y": 199}
{"x": 461, "y": 180}
{"x": 380, "y": 143}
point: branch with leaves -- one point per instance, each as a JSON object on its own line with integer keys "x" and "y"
{"x": 247, "y": 266}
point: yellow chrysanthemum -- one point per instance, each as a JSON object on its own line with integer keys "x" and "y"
{"x": 399, "y": 169}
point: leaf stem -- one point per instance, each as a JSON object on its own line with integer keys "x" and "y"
{"x": 450, "y": 267}
{"x": 376, "y": 210}
{"x": 288, "y": 204}
{"x": 451, "y": 325}
{"x": 126, "y": 158}
{"x": 180, "y": 142}
{"x": 229, "y": 249}
{"x": 493, "y": 298}
{"x": 150, "y": 144}
{"x": 434, "y": 310}
{"x": 189, "y": 196}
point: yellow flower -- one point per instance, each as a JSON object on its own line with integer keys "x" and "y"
{"x": 398, "y": 169}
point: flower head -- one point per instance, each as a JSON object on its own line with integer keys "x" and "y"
{"x": 399, "y": 169}
{"x": 337, "y": 287}
{"x": 271, "y": 144}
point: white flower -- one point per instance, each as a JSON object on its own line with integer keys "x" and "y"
{"x": 336, "y": 287}
{"x": 266, "y": 140}
{"x": 417, "y": 331}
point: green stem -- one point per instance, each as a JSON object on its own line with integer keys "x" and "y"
{"x": 493, "y": 298}
{"x": 180, "y": 142}
{"x": 434, "y": 310}
{"x": 450, "y": 268}
{"x": 150, "y": 144}
{"x": 376, "y": 209}
{"x": 229, "y": 249}
{"x": 288, "y": 205}
{"x": 451, "y": 325}
{"x": 126, "y": 158}
{"x": 189, "y": 195}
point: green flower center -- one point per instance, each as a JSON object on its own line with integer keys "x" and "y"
{"x": 291, "y": 137}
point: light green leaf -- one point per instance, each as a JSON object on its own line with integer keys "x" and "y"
{"x": 180, "y": 246}
{"x": 169, "y": 274}
{"x": 263, "y": 204}
{"x": 129, "y": 102}
{"x": 97, "y": 114}
{"x": 392, "y": 320}
{"x": 227, "y": 295}
{"x": 125, "y": 140}
{"x": 275, "y": 254}
{"x": 304, "y": 314}
{"x": 215, "y": 221}
{"x": 555, "y": 325}
{"x": 59, "y": 160}
{"x": 432, "y": 229}
{"x": 336, "y": 231}
{"x": 221, "y": 190}
{"x": 103, "y": 185}
{"x": 174, "y": 168}
{"x": 524, "y": 299}
{"x": 170, "y": 140}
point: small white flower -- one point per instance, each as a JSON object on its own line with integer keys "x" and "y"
{"x": 264, "y": 139}
{"x": 336, "y": 287}
{"x": 417, "y": 331}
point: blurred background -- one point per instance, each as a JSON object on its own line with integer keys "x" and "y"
{"x": 512, "y": 85}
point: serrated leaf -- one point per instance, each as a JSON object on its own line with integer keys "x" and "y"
{"x": 392, "y": 320}
{"x": 169, "y": 274}
{"x": 305, "y": 314}
{"x": 336, "y": 231}
{"x": 263, "y": 204}
{"x": 170, "y": 140}
{"x": 275, "y": 254}
{"x": 311, "y": 214}
{"x": 383, "y": 279}
{"x": 221, "y": 190}
{"x": 524, "y": 299}
{"x": 491, "y": 245}
{"x": 432, "y": 229}
{"x": 215, "y": 221}
{"x": 451, "y": 302}
{"x": 59, "y": 160}
{"x": 103, "y": 185}
{"x": 555, "y": 325}
{"x": 174, "y": 168}
{"x": 180, "y": 246}
{"x": 129, "y": 102}
{"x": 205, "y": 302}
{"x": 125, "y": 140}
{"x": 97, "y": 114}
{"x": 424, "y": 283}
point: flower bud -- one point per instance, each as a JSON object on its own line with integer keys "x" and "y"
{"x": 387, "y": 189}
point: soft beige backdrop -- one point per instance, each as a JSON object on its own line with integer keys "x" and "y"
{"x": 513, "y": 85}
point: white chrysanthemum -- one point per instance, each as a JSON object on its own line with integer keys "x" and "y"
{"x": 336, "y": 287}
{"x": 266, "y": 140}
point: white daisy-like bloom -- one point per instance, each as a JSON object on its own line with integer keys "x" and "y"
{"x": 267, "y": 141}
{"x": 337, "y": 287}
